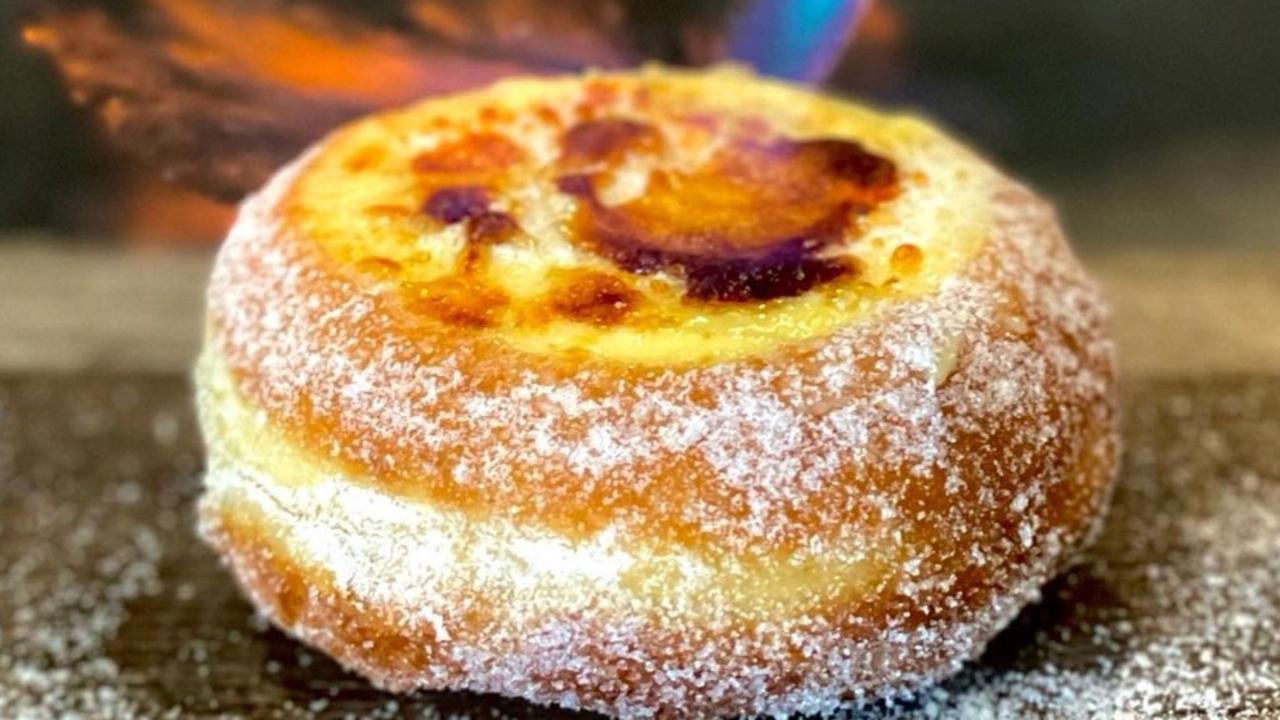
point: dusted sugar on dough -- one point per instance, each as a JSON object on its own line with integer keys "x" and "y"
{"x": 512, "y": 392}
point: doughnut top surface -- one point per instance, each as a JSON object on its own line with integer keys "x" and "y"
{"x": 651, "y": 218}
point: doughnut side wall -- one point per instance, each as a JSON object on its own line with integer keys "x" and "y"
{"x": 787, "y": 533}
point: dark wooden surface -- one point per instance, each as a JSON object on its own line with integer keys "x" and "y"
{"x": 111, "y": 607}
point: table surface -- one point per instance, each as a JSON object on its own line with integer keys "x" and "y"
{"x": 110, "y": 607}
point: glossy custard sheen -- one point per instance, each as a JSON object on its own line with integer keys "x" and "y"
{"x": 652, "y": 222}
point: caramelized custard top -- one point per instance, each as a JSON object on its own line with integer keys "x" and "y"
{"x": 633, "y": 218}
{"x": 751, "y": 223}
{"x": 757, "y": 218}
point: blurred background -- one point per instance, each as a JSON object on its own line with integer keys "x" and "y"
{"x": 1155, "y": 124}
{"x": 1153, "y": 120}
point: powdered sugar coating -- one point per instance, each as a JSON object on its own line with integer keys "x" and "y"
{"x": 582, "y": 624}
{"x": 947, "y": 454}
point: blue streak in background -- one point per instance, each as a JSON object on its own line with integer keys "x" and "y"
{"x": 793, "y": 39}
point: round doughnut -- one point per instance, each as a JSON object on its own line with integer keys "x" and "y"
{"x": 658, "y": 394}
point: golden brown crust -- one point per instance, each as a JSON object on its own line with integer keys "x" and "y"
{"x": 861, "y": 507}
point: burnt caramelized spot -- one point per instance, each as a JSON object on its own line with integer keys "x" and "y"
{"x": 490, "y": 227}
{"x": 471, "y": 205}
{"x": 476, "y": 153}
{"x": 458, "y": 302}
{"x": 455, "y": 204}
{"x": 593, "y": 297}
{"x": 755, "y": 222}
{"x": 458, "y": 176}
{"x": 744, "y": 281}
{"x": 851, "y": 162}
{"x": 596, "y": 141}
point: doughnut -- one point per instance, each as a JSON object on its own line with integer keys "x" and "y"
{"x": 659, "y": 393}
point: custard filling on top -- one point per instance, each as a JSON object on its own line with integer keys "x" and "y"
{"x": 625, "y": 217}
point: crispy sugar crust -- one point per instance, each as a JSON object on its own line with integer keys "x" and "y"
{"x": 847, "y": 512}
